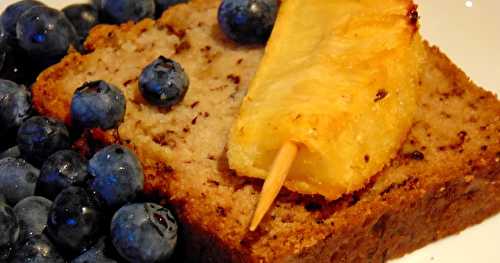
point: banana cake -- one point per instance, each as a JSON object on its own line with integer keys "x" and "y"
{"x": 445, "y": 177}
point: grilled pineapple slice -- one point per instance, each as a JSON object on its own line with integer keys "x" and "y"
{"x": 339, "y": 79}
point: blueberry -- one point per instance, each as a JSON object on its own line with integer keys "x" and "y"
{"x": 39, "y": 137}
{"x": 18, "y": 66}
{"x": 83, "y": 17}
{"x": 248, "y": 21}
{"x": 45, "y": 33}
{"x": 144, "y": 233}
{"x": 96, "y": 254}
{"x": 117, "y": 175}
{"x": 75, "y": 222}
{"x": 61, "y": 170}
{"x": 17, "y": 179}
{"x": 11, "y": 152}
{"x": 12, "y": 13}
{"x": 32, "y": 213}
{"x": 9, "y": 230}
{"x": 163, "y": 82}
{"x": 121, "y": 11}
{"x": 162, "y": 5}
{"x": 15, "y": 105}
{"x": 37, "y": 249}
{"x": 98, "y": 104}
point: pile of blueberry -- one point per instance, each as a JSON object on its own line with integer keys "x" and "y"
{"x": 57, "y": 205}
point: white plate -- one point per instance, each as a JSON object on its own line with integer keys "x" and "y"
{"x": 469, "y": 33}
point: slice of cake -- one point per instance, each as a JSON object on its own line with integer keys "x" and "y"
{"x": 445, "y": 177}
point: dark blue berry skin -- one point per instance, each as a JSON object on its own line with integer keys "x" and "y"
{"x": 162, "y": 5}
{"x": 163, "y": 82}
{"x": 45, "y": 33}
{"x": 96, "y": 254}
{"x": 15, "y": 105}
{"x": 7, "y": 141}
{"x": 3, "y": 38}
{"x": 32, "y": 213}
{"x": 248, "y": 21}
{"x": 61, "y": 170}
{"x": 39, "y": 137}
{"x": 37, "y": 249}
{"x": 117, "y": 176}
{"x": 3, "y": 54}
{"x": 96, "y": 3}
{"x": 144, "y": 233}
{"x": 9, "y": 231}
{"x": 11, "y": 15}
{"x": 17, "y": 179}
{"x": 18, "y": 66}
{"x": 3, "y": 46}
{"x": 13, "y": 65}
{"x": 75, "y": 221}
{"x": 98, "y": 104}
{"x": 11, "y": 152}
{"x": 121, "y": 11}
{"x": 83, "y": 17}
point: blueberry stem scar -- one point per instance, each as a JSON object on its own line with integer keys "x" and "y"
{"x": 274, "y": 181}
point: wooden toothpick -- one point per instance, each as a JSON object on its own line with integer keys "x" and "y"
{"x": 274, "y": 181}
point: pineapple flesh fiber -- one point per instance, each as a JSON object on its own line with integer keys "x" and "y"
{"x": 339, "y": 79}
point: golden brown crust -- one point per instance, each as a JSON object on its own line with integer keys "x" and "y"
{"x": 448, "y": 169}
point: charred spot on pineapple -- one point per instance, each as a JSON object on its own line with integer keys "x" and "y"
{"x": 413, "y": 15}
{"x": 381, "y": 94}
